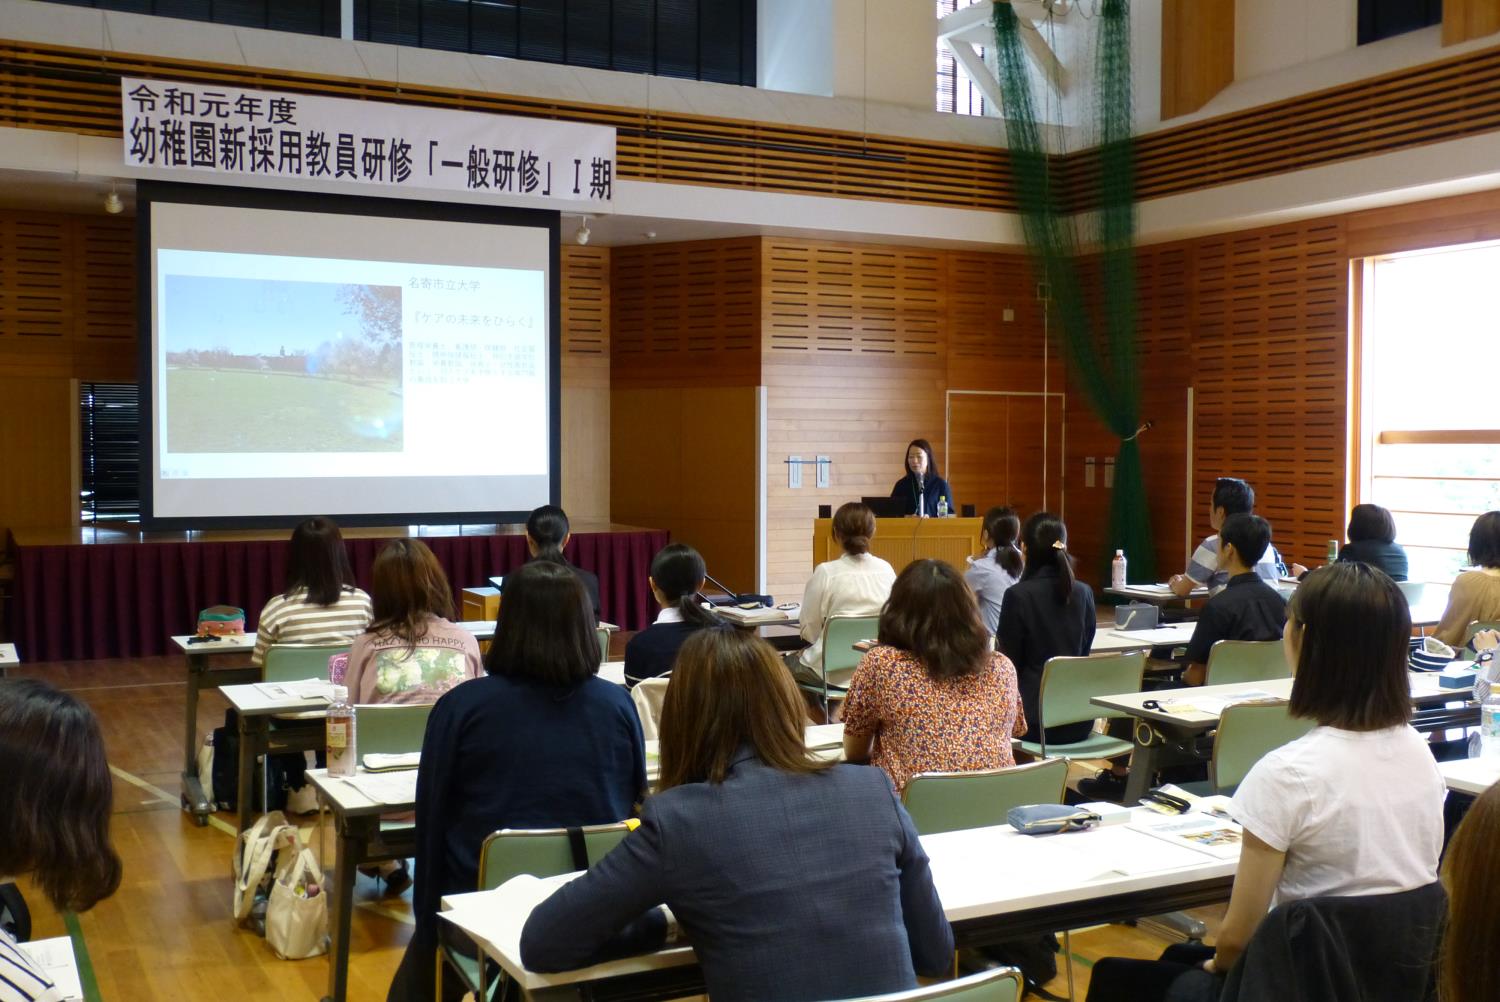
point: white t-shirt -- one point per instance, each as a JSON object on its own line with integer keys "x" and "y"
{"x": 848, "y": 586}
{"x": 1355, "y": 812}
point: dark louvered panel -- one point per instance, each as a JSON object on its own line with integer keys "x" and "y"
{"x": 109, "y": 426}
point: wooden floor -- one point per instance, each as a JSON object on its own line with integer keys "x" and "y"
{"x": 167, "y": 934}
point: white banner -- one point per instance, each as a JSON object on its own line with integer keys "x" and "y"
{"x": 264, "y": 134}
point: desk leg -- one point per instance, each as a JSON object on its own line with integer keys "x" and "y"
{"x": 351, "y": 848}
{"x": 252, "y": 747}
{"x": 1143, "y": 766}
{"x": 193, "y": 798}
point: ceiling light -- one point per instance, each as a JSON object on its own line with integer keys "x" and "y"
{"x": 112, "y": 203}
{"x": 583, "y": 234}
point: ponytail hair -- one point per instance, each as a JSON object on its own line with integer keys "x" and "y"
{"x": 1046, "y": 541}
{"x": 548, "y": 528}
{"x": 1003, "y": 527}
{"x": 853, "y": 527}
{"x": 678, "y": 573}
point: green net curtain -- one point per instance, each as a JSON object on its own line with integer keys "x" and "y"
{"x": 1100, "y": 348}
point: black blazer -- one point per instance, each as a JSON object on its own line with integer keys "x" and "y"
{"x": 589, "y": 578}
{"x": 933, "y": 488}
{"x": 1389, "y": 557}
{"x": 653, "y": 651}
{"x": 790, "y": 887}
{"x": 1035, "y": 626}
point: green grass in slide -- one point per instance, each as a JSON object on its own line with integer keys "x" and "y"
{"x": 214, "y": 410}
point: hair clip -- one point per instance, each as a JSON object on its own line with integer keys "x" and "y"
{"x": 1057, "y": 544}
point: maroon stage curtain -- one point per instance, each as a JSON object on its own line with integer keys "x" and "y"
{"x": 117, "y": 600}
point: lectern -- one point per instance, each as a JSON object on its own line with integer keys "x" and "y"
{"x": 900, "y": 541}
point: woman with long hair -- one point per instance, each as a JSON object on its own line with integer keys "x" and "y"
{"x": 412, "y": 652}
{"x": 934, "y": 696}
{"x": 1352, "y": 808}
{"x": 55, "y": 806}
{"x": 320, "y": 604}
{"x": 1468, "y": 966}
{"x": 677, "y": 576}
{"x": 739, "y": 798}
{"x": 992, "y": 574}
{"x": 1048, "y": 613}
{"x": 539, "y": 742}
{"x": 922, "y": 491}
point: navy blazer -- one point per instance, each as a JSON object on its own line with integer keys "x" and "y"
{"x": 1035, "y": 626}
{"x": 789, "y": 887}
{"x": 933, "y": 488}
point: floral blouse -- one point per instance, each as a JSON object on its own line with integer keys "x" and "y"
{"x": 924, "y": 725}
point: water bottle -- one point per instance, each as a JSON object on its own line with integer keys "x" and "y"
{"x": 1489, "y": 727}
{"x": 1117, "y": 570}
{"x": 943, "y": 506}
{"x": 343, "y": 759}
{"x": 1333, "y": 551}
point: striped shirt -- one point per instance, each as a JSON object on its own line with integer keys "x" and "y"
{"x": 20, "y": 979}
{"x": 294, "y": 620}
{"x": 1204, "y": 567}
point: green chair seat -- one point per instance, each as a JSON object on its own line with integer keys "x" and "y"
{"x": 953, "y": 801}
{"x": 1238, "y": 661}
{"x": 1096, "y": 745}
{"x": 1002, "y": 984}
{"x": 840, "y": 634}
{"x": 390, "y": 728}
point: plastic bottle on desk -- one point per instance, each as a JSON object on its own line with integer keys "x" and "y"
{"x": 1117, "y": 570}
{"x": 343, "y": 758}
{"x": 943, "y": 507}
{"x": 1489, "y": 727}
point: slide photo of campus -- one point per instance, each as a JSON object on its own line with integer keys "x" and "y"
{"x": 268, "y": 365}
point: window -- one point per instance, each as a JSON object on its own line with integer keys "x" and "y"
{"x": 955, "y": 91}
{"x": 1430, "y": 420}
{"x": 109, "y": 481}
{"x": 711, "y": 40}
{"x": 1386, "y": 18}
{"x": 306, "y": 17}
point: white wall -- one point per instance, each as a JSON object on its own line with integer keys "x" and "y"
{"x": 1271, "y": 35}
{"x": 794, "y": 46}
{"x": 885, "y": 51}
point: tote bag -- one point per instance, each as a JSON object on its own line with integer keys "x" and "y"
{"x": 297, "y": 916}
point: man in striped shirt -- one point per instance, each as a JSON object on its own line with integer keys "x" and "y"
{"x": 1232, "y": 496}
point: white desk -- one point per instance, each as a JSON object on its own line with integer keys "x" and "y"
{"x": 1178, "y": 716}
{"x": 255, "y": 709}
{"x": 825, "y": 741}
{"x": 994, "y": 885}
{"x": 360, "y": 839}
{"x": 8, "y": 658}
{"x": 1470, "y": 775}
{"x": 1156, "y": 594}
{"x": 1108, "y": 639}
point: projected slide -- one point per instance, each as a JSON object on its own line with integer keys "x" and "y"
{"x": 354, "y": 380}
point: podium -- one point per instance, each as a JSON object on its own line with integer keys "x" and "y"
{"x": 900, "y": 541}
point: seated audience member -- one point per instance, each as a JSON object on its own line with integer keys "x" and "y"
{"x": 1232, "y": 496}
{"x": 1372, "y": 540}
{"x": 856, "y": 584}
{"x": 54, "y": 815}
{"x": 1047, "y": 614}
{"x": 1468, "y": 967}
{"x": 1355, "y": 807}
{"x": 1000, "y": 566}
{"x": 921, "y": 490}
{"x": 540, "y": 742}
{"x": 677, "y": 576}
{"x": 793, "y": 878}
{"x": 547, "y": 532}
{"x": 1247, "y": 608}
{"x": 320, "y": 604}
{"x": 934, "y": 696}
{"x": 411, "y": 653}
{"x": 1476, "y": 593}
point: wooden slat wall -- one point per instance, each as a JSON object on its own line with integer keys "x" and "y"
{"x": 77, "y": 90}
{"x": 1270, "y": 352}
{"x": 1468, "y": 19}
{"x": 585, "y": 380}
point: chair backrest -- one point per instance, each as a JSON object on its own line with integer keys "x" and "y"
{"x": 1246, "y": 661}
{"x": 999, "y": 984}
{"x": 1477, "y": 625}
{"x": 951, "y": 801}
{"x": 1247, "y": 731}
{"x": 294, "y": 662}
{"x": 1069, "y": 683}
{"x": 603, "y": 645}
{"x": 390, "y": 728}
{"x": 1413, "y": 590}
{"x": 648, "y": 696}
{"x": 840, "y": 634}
{"x": 541, "y": 852}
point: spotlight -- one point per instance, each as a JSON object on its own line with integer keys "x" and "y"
{"x": 112, "y": 203}
{"x": 583, "y": 234}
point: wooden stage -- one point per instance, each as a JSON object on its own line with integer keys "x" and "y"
{"x": 113, "y": 592}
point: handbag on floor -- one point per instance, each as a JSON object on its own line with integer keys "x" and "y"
{"x": 297, "y": 914}
{"x": 254, "y": 861}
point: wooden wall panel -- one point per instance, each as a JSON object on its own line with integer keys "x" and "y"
{"x": 1270, "y": 366}
{"x": 1197, "y": 53}
{"x": 585, "y": 380}
{"x": 1464, "y": 20}
{"x": 683, "y": 314}
{"x": 986, "y": 351}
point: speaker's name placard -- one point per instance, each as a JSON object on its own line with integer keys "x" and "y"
{"x": 277, "y": 136}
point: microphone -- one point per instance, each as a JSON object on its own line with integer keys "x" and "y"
{"x": 734, "y": 597}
